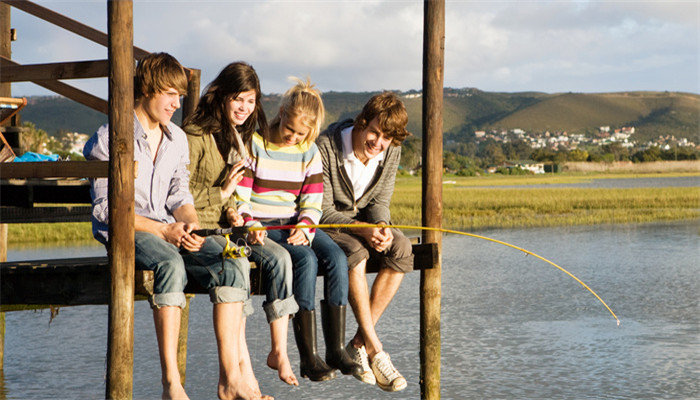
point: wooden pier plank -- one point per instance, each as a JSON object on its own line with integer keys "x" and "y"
{"x": 85, "y": 280}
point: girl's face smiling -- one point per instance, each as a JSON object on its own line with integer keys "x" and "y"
{"x": 240, "y": 108}
{"x": 292, "y": 131}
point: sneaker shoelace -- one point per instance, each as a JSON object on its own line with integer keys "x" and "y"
{"x": 387, "y": 369}
{"x": 362, "y": 358}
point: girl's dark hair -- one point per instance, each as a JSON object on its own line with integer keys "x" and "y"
{"x": 211, "y": 115}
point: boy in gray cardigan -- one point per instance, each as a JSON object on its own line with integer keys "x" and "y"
{"x": 360, "y": 160}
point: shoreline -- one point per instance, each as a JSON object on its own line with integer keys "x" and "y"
{"x": 484, "y": 203}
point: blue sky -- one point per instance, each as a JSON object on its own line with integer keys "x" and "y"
{"x": 506, "y": 46}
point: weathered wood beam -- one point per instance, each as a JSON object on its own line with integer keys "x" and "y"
{"x": 84, "y": 280}
{"x": 34, "y": 215}
{"x": 62, "y": 70}
{"x": 63, "y": 89}
{"x": 189, "y": 103}
{"x": 58, "y": 169}
{"x": 67, "y": 23}
{"x": 431, "y": 280}
{"x": 17, "y": 198}
{"x": 69, "y": 281}
{"x": 120, "y": 326}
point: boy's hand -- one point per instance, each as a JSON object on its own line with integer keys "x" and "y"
{"x": 178, "y": 233}
{"x": 192, "y": 242}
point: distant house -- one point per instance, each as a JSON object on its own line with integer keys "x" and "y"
{"x": 532, "y": 166}
{"x": 527, "y": 165}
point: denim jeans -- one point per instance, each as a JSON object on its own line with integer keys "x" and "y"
{"x": 277, "y": 272}
{"x": 224, "y": 278}
{"x": 322, "y": 256}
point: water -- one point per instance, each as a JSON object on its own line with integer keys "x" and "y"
{"x": 513, "y": 327}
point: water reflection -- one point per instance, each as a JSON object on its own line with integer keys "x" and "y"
{"x": 513, "y": 327}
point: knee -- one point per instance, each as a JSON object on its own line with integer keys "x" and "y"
{"x": 402, "y": 246}
{"x": 235, "y": 273}
{"x": 171, "y": 269}
{"x": 307, "y": 263}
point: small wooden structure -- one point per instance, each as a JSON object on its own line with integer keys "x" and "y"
{"x": 121, "y": 280}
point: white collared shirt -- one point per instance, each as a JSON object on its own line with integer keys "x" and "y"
{"x": 360, "y": 174}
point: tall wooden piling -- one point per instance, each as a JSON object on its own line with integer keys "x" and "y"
{"x": 5, "y": 91}
{"x": 189, "y": 103}
{"x": 430, "y": 284}
{"x": 120, "y": 342}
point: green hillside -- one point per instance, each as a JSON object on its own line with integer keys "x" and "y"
{"x": 651, "y": 113}
{"x": 465, "y": 111}
{"x": 59, "y": 114}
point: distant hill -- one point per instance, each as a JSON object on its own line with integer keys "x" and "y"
{"x": 465, "y": 111}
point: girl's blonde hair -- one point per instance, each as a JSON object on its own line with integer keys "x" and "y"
{"x": 302, "y": 100}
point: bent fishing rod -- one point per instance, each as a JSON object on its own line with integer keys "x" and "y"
{"x": 243, "y": 230}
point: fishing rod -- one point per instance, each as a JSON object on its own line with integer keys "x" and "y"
{"x": 244, "y": 230}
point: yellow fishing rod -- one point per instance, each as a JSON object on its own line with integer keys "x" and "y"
{"x": 244, "y": 230}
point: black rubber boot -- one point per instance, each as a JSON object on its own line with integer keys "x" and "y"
{"x": 333, "y": 322}
{"x": 312, "y": 366}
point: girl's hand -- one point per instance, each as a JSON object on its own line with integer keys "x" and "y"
{"x": 233, "y": 217}
{"x": 256, "y": 237}
{"x": 297, "y": 238}
{"x": 234, "y": 176}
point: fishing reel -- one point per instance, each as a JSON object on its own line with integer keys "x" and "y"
{"x": 238, "y": 249}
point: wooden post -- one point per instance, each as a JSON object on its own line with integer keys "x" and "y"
{"x": 120, "y": 342}
{"x": 189, "y": 103}
{"x": 182, "y": 339}
{"x": 5, "y": 91}
{"x": 430, "y": 284}
{"x": 5, "y": 44}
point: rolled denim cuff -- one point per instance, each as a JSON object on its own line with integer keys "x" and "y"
{"x": 247, "y": 307}
{"x": 176, "y": 299}
{"x": 227, "y": 294}
{"x": 279, "y": 308}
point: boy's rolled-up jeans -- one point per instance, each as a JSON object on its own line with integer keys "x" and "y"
{"x": 225, "y": 278}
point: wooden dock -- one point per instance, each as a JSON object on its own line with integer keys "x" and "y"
{"x": 120, "y": 276}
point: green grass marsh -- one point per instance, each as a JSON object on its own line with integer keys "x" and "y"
{"x": 488, "y": 202}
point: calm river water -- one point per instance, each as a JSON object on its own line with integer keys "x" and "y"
{"x": 513, "y": 327}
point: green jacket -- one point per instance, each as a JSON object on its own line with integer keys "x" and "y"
{"x": 207, "y": 172}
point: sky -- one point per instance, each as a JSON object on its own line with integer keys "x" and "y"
{"x": 367, "y": 45}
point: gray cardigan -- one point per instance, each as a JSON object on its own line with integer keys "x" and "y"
{"x": 339, "y": 205}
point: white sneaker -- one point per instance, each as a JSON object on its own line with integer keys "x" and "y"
{"x": 388, "y": 378}
{"x": 359, "y": 356}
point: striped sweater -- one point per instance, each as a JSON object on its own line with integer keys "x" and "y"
{"x": 281, "y": 182}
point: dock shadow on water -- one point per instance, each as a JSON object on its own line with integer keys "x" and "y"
{"x": 513, "y": 327}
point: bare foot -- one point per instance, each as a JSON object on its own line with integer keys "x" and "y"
{"x": 240, "y": 390}
{"x": 174, "y": 391}
{"x": 248, "y": 376}
{"x": 280, "y": 363}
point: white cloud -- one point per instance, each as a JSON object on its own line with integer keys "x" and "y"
{"x": 372, "y": 45}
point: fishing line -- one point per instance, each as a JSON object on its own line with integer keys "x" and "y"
{"x": 243, "y": 229}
